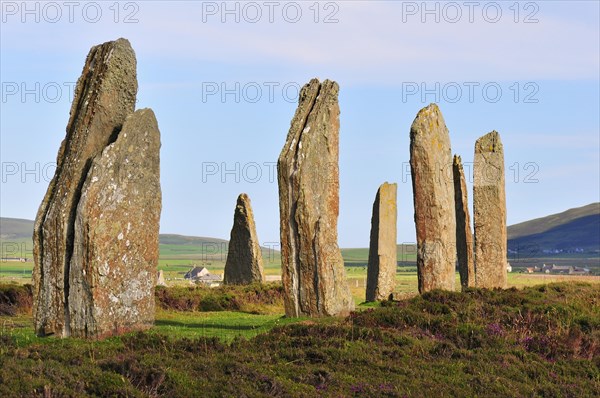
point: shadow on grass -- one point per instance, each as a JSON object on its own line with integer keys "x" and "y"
{"x": 215, "y": 326}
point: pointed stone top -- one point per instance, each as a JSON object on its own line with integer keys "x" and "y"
{"x": 142, "y": 134}
{"x": 121, "y": 41}
{"x": 315, "y": 80}
{"x": 314, "y": 86}
{"x": 489, "y": 143}
{"x": 244, "y": 205}
{"x": 427, "y": 119}
{"x": 430, "y": 111}
{"x": 314, "y": 89}
{"x": 456, "y": 160}
{"x": 243, "y": 198}
{"x": 317, "y": 109}
{"x": 121, "y": 46}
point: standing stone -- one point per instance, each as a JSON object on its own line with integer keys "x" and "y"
{"x": 313, "y": 272}
{"x": 464, "y": 237}
{"x": 433, "y": 194}
{"x": 96, "y": 231}
{"x": 489, "y": 212}
{"x": 383, "y": 252}
{"x": 160, "y": 279}
{"x": 115, "y": 256}
{"x": 244, "y": 263}
{"x": 104, "y": 96}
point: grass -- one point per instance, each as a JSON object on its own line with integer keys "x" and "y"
{"x": 225, "y": 312}
{"x": 537, "y": 341}
{"x": 225, "y": 325}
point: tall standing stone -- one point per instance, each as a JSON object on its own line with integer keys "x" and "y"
{"x": 489, "y": 212}
{"x": 96, "y": 231}
{"x": 383, "y": 252}
{"x": 464, "y": 236}
{"x": 313, "y": 272}
{"x": 244, "y": 263}
{"x": 104, "y": 96}
{"x": 433, "y": 194}
{"x": 115, "y": 257}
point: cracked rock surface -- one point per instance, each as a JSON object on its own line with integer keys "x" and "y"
{"x": 381, "y": 270}
{"x": 96, "y": 231}
{"x": 464, "y": 236}
{"x": 313, "y": 272}
{"x": 115, "y": 256}
{"x": 489, "y": 212}
{"x": 433, "y": 195}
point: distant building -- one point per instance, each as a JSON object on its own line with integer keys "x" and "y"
{"x": 564, "y": 270}
{"x": 17, "y": 259}
{"x": 196, "y": 273}
{"x": 202, "y": 276}
{"x": 210, "y": 280}
{"x": 508, "y": 267}
{"x": 557, "y": 269}
{"x": 580, "y": 271}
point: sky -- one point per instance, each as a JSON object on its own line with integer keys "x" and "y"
{"x": 223, "y": 79}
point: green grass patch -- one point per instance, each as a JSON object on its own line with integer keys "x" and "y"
{"x": 225, "y": 325}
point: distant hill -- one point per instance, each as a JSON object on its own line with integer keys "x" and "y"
{"x": 572, "y": 230}
{"x": 20, "y": 229}
{"x": 15, "y": 228}
{"x": 173, "y": 239}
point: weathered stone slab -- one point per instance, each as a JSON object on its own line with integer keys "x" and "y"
{"x": 104, "y": 96}
{"x": 433, "y": 194}
{"x": 381, "y": 275}
{"x": 313, "y": 272}
{"x": 244, "y": 263}
{"x": 115, "y": 256}
{"x": 464, "y": 236}
{"x": 489, "y": 212}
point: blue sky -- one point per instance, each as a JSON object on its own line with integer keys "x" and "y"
{"x": 390, "y": 59}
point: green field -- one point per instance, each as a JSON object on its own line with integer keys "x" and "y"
{"x": 15, "y": 270}
{"x": 224, "y": 325}
{"x": 181, "y": 253}
{"x": 16, "y": 247}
